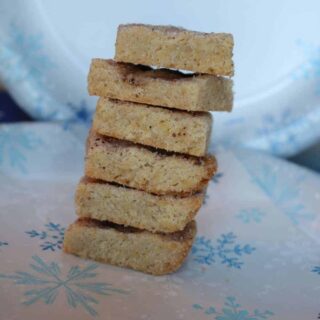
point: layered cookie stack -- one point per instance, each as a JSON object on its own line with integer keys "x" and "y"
{"x": 147, "y": 165}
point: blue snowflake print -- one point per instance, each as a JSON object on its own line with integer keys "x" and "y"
{"x": 15, "y": 145}
{"x": 46, "y": 282}
{"x": 233, "y": 311}
{"x": 284, "y": 193}
{"x": 225, "y": 250}
{"x": 32, "y": 63}
{"x": 250, "y": 215}
{"x": 271, "y": 131}
{"x": 51, "y": 237}
{"x": 81, "y": 115}
{"x": 310, "y": 69}
{"x": 3, "y": 243}
{"x": 25, "y": 62}
{"x": 271, "y": 123}
{"x": 217, "y": 177}
{"x": 316, "y": 270}
{"x": 279, "y": 131}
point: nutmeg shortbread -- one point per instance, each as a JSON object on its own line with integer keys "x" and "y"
{"x": 154, "y": 253}
{"x": 172, "y": 47}
{"x": 162, "y": 87}
{"x": 129, "y": 207}
{"x": 172, "y": 130}
{"x": 145, "y": 168}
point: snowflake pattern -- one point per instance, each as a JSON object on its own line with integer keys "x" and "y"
{"x": 283, "y": 194}
{"x": 271, "y": 129}
{"x": 31, "y": 46}
{"x": 310, "y": 69}
{"x": 24, "y": 61}
{"x": 217, "y": 177}
{"x": 233, "y": 311}
{"x": 250, "y": 215}
{"x": 29, "y": 70}
{"x": 47, "y": 282}
{"x": 272, "y": 123}
{"x": 316, "y": 269}
{"x": 51, "y": 238}
{"x": 225, "y": 250}
{"x": 14, "y": 146}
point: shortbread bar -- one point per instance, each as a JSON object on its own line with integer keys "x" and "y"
{"x": 172, "y": 130}
{"x": 145, "y": 168}
{"x": 162, "y": 87}
{"x": 154, "y": 253}
{"x": 172, "y": 47}
{"x": 129, "y": 207}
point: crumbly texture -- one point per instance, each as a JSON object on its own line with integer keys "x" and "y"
{"x": 145, "y": 168}
{"x": 153, "y": 253}
{"x": 126, "y": 206}
{"x": 172, "y": 130}
{"x": 177, "y": 48}
{"x": 162, "y": 87}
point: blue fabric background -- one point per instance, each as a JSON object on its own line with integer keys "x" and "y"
{"x": 10, "y": 111}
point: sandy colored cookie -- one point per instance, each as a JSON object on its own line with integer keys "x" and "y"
{"x": 172, "y": 47}
{"x": 145, "y": 168}
{"x": 172, "y": 130}
{"x": 162, "y": 87}
{"x": 140, "y": 250}
{"x": 129, "y": 207}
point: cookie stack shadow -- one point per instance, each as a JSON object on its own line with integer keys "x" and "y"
{"x": 147, "y": 164}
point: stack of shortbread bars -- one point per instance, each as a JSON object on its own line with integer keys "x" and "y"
{"x": 146, "y": 166}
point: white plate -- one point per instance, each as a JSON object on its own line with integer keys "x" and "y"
{"x": 256, "y": 255}
{"x": 46, "y": 47}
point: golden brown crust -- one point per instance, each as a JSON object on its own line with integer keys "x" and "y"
{"x": 148, "y": 169}
{"x": 166, "y": 88}
{"x": 177, "y": 48}
{"x": 126, "y": 206}
{"x": 172, "y": 130}
{"x": 152, "y": 253}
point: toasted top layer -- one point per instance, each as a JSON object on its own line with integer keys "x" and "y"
{"x": 186, "y": 234}
{"x": 177, "y": 48}
{"x": 171, "y": 30}
{"x": 163, "y": 28}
